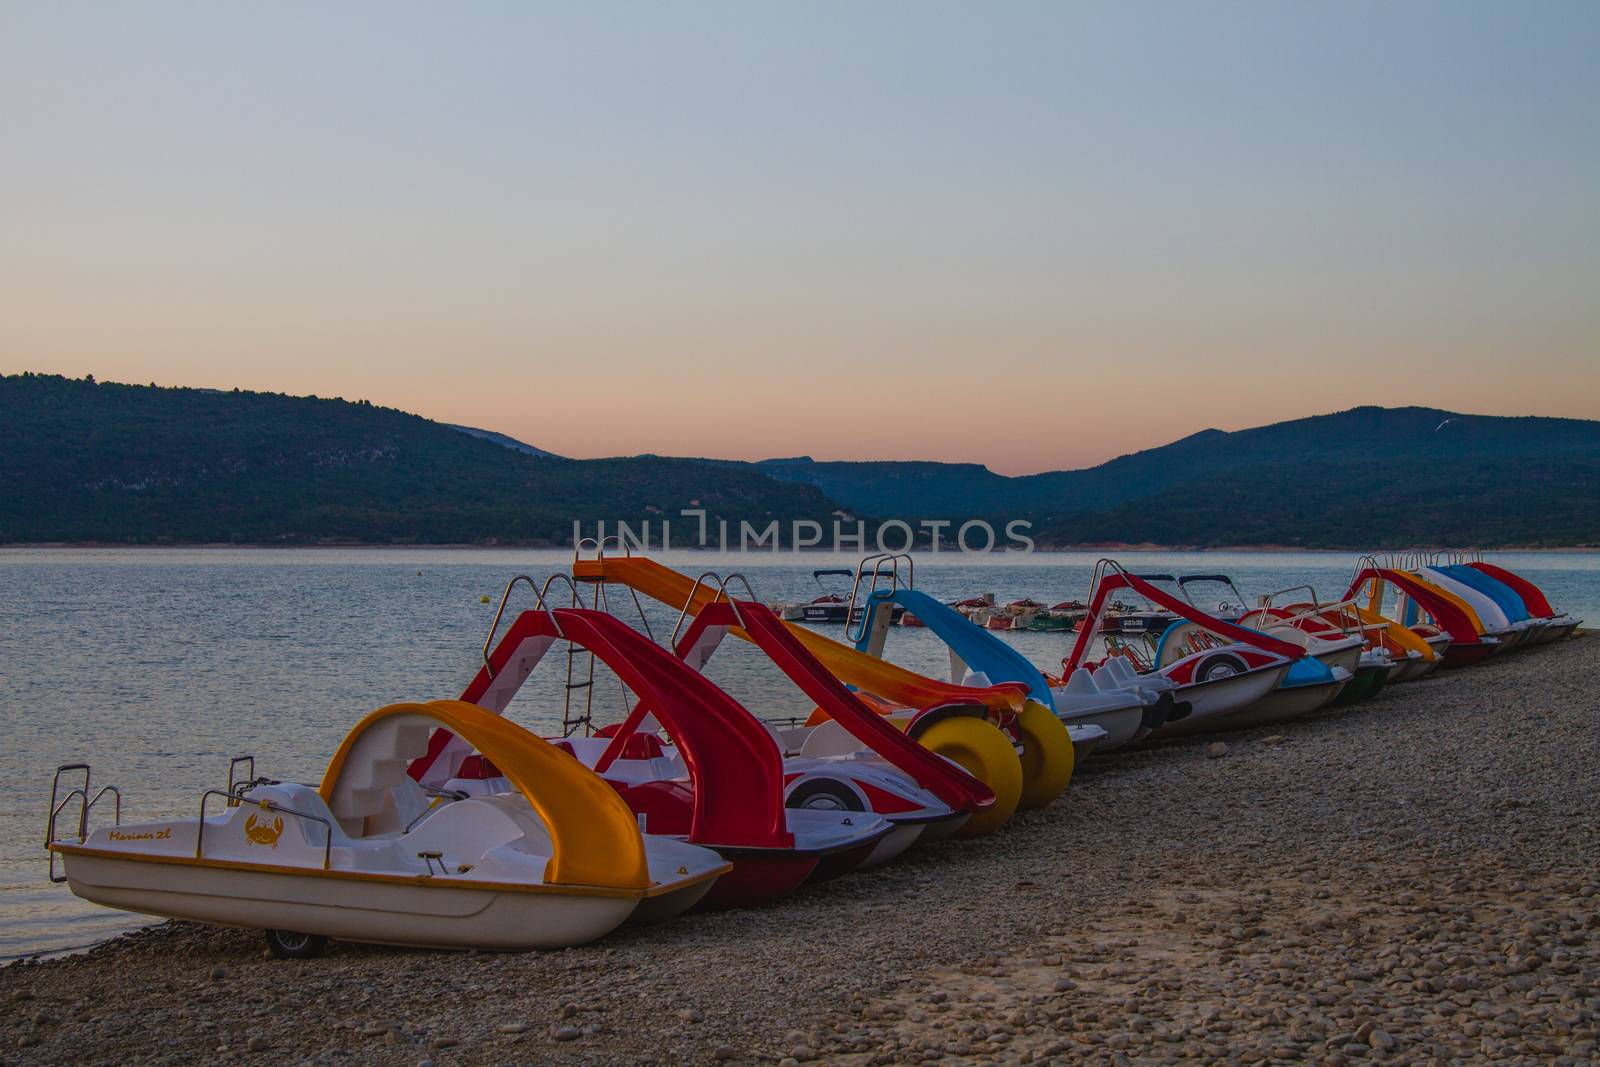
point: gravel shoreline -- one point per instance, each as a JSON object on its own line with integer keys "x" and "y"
{"x": 1412, "y": 879}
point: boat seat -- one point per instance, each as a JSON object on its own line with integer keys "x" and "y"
{"x": 829, "y": 739}
{"x": 401, "y": 806}
{"x": 642, "y": 746}
{"x": 479, "y": 766}
{"x": 373, "y": 783}
{"x": 302, "y": 798}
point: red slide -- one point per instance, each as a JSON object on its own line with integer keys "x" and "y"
{"x": 961, "y": 791}
{"x": 735, "y": 800}
{"x": 728, "y": 753}
{"x": 1533, "y": 597}
{"x": 1118, "y": 579}
{"x": 1466, "y": 643}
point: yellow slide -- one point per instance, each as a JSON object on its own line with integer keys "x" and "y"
{"x": 1401, "y": 637}
{"x": 1445, "y": 594}
{"x": 858, "y": 669}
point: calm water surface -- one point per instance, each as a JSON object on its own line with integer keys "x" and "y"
{"x": 157, "y": 666}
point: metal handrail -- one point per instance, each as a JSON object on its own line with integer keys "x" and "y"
{"x": 538, "y": 595}
{"x": 1101, "y": 567}
{"x": 116, "y": 795}
{"x": 264, "y": 805}
{"x": 688, "y": 602}
{"x": 599, "y": 545}
{"x": 893, "y": 574}
{"x": 739, "y": 575}
{"x": 233, "y": 764}
{"x": 1266, "y": 601}
{"x": 50, "y": 828}
{"x": 86, "y": 803}
{"x": 721, "y": 594}
{"x": 1318, "y": 609}
{"x": 55, "y": 785}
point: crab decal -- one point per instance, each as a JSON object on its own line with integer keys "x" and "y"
{"x": 260, "y": 833}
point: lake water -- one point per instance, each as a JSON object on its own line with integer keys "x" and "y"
{"x": 158, "y": 665}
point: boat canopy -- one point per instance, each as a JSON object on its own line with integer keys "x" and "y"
{"x": 594, "y": 836}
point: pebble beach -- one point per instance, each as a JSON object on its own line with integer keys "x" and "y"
{"x": 1414, "y": 879}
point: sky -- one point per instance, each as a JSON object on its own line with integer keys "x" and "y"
{"x": 1029, "y": 235}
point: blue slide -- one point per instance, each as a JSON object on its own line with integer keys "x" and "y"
{"x": 1499, "y": 592}
{"x": 977, "y": 647}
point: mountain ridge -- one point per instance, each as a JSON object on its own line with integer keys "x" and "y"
{"x": 86, "y": 461}
{"x": 1366, "y": 433}
{"x": 89, "y": 462}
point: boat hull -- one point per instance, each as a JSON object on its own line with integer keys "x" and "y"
{"x": 420, "y": 914}
{"x": 1086, "y": 740}
{"x": 758, "y": 876}
{"x": 1348, "y": 658}
{"x": 1280, "y": 705}
{"x": 1466, "y": 653}
{"x": 1412, "y": 669}
{"x": 1121, "y": 724}
{"x": 868, "y": 853}
{"x": 1221, "y": 696}
{"x": 1283, "y": 705}
{"x": 1555, "y": 631}
{"x": 1366, "y": 683}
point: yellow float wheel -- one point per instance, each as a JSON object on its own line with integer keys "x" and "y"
{"x": 983, "y": 751}
{"x": 1047, "y": 756}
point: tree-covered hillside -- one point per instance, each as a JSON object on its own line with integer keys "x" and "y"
{"x": 87, "y": 461}
{"x": 1409, "y": 444}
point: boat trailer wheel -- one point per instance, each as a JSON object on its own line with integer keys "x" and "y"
{"x": 289, "y": 945}
{"x": 824, "y": 794}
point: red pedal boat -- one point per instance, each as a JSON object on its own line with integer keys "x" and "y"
{"x": 722, "y": 785}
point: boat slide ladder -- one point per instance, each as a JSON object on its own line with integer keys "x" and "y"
{"x": 1375, "y": 588}
{"x": 721, "y": 594}
{"x": 1103, "y": 567}
{"x": 580, "y": 661}
{"x": 720, "y": 583}
{"x": 885, "y": 568}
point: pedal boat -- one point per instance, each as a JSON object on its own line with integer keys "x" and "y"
{"x": 978, "y": 659}
{"x": 1281, "y": 689}
{"x": 1410, "y": 655}
{"x": 364, "y": 857}
{"x": 1522, "y": 602}
{"x": 1427, "y": 610}
{"x": 1016, "y": 750}
{"x": 722, "y": 787}
{"x": 1557, "y": 625}
{"x": 850, "y": 758}
{"x": 1217, "y": 669}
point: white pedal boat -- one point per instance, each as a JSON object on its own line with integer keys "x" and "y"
{"x": 1127, "y": 705}
{"x": 366, "y": 857}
